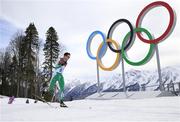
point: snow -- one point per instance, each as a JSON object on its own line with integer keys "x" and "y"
{"x": 152, "y": 109}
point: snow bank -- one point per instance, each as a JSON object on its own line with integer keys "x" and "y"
{"x": 152, "y": 109}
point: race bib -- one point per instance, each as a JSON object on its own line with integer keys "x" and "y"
{"x": 60, "y": 69}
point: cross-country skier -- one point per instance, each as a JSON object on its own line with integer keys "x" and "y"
{"x": 59, "y": 79}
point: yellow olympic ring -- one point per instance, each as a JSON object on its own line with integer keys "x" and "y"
{"x": 116, "y": 63}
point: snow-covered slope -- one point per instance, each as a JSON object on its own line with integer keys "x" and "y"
{"x": 135, "y": 79}
{"x": 164, "y": 109}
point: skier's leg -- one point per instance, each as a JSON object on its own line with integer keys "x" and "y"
{"x": 61, "y": 85}
{"x": 61, "y": 92}
{"x": 61, "y": 95}
{"x": 53, "y": 83}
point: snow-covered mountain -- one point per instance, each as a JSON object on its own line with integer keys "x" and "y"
{"x": 136, "y": 80}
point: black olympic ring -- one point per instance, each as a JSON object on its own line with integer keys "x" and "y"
{"x": 112, "y": 28}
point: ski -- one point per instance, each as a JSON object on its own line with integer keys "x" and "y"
{"x": 40, "y": 98}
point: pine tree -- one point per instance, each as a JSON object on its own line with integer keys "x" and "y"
{"x": 31, "y": 44}
{"x": 51, "y": 52}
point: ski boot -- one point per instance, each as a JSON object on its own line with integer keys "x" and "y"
{"x": 62, "y": 104}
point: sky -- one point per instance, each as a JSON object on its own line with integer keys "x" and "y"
{"x": 75, "y": 20}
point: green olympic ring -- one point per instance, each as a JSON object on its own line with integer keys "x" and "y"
{"x": 149, "y": 54}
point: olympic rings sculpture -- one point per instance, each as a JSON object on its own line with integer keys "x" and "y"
{"x": 128, "y": 39}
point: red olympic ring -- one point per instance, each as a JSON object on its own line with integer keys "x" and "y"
{"x": 170, "y": 26}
